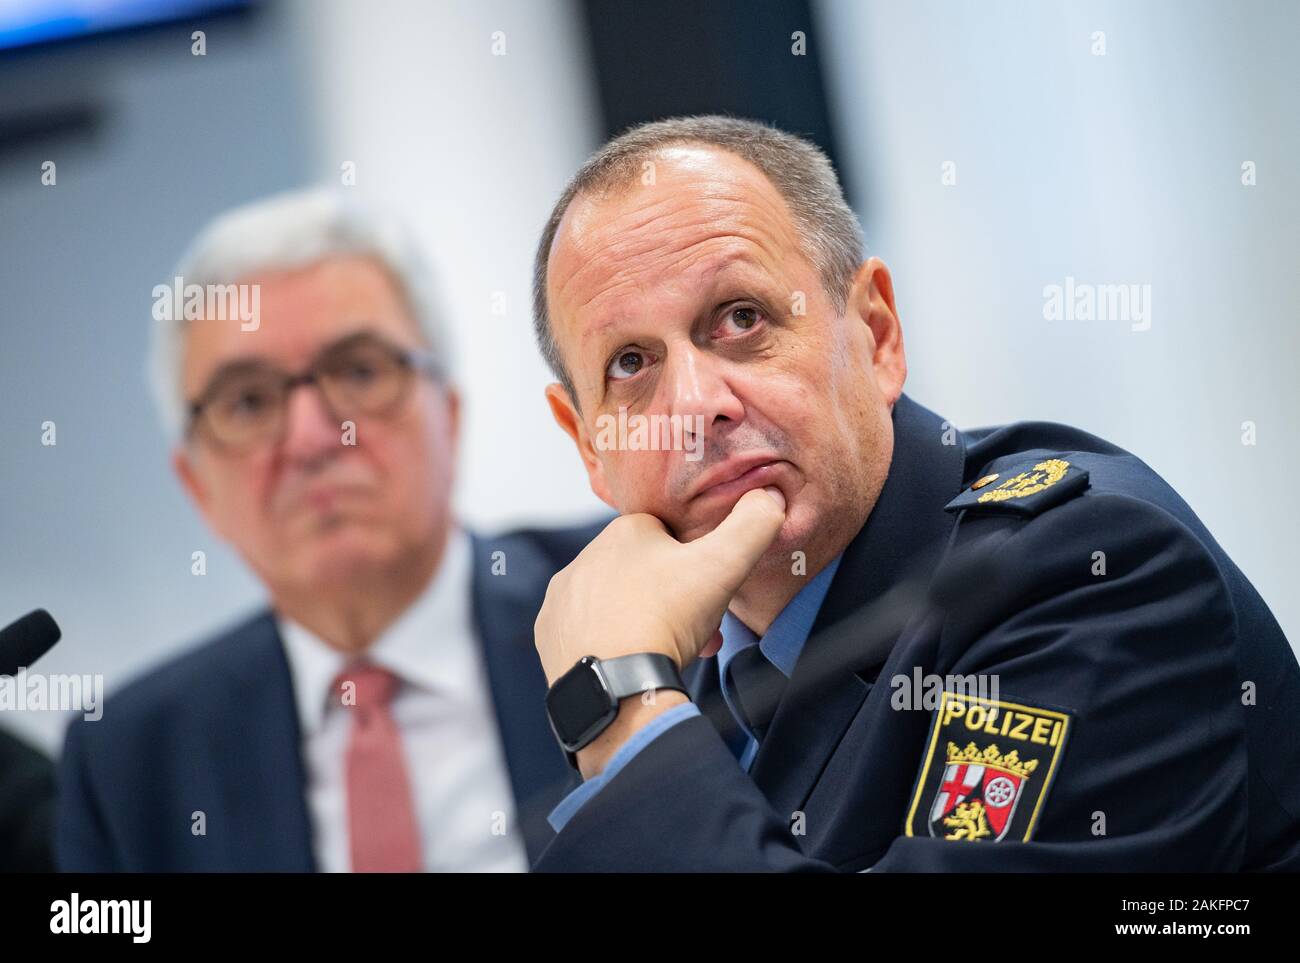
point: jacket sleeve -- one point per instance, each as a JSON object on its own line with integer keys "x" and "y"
{"x": 1143, "y": 657}
{"x": 81, "y": 838}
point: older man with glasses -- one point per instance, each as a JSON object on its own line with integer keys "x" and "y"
{"x": 385, "y": 713}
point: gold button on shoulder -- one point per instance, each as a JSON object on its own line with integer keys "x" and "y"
{"x": 984, "y": 481}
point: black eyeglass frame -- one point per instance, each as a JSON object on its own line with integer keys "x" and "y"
{"x": 418, "y": 361}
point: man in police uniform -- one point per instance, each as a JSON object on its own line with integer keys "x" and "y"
{"x": 1133, "y": 702}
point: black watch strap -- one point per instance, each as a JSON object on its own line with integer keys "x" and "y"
{"x": 640, "y": 672}
{"x": 615, "y": 679}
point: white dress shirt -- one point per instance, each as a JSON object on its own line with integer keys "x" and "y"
{"x": 463, "y": 803}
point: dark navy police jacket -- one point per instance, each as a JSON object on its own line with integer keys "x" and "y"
{"x": 1146, "y": 713}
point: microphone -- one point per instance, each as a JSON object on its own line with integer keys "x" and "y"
{"x": 26, "y": 640}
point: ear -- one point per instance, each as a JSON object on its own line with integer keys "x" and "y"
{"x": 871, "y": 301}
{"x": 453, "y": 418}
{"x": 566, "y": 416}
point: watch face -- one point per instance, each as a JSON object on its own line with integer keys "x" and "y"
{"x": 579, "y": 705}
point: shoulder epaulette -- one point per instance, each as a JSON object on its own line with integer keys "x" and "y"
{"x": 1025, "y": 490}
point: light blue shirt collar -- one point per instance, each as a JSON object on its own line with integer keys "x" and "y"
{"x": 787, "y": 634}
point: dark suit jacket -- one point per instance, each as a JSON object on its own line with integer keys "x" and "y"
{"x": 216, "y": 730}
{"x": 26, "y": 808}
{"x": 1176, "y": 694}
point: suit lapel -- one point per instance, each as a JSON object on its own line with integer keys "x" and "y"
{"x": 505, "y": 609}
{"x": 262, "y": 820}
{"x": 262, "y": 793}
{"x": 878, "y": 587}
{"x": 705, "y": 690}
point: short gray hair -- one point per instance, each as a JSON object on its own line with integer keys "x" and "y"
{"x": 798, "y": 169}
{"x": 283, "y": 232}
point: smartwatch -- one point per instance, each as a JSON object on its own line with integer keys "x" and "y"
{"x": 584, "y": 701}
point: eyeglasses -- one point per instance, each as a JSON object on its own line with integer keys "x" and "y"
{"x": 244, "y": 406}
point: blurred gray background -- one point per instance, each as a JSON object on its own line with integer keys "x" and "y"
{"x": 1115, "y": 167}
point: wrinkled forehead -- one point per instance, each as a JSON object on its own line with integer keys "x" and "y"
{"x": 301, "y": 310}
{"x": 694, "y": 212}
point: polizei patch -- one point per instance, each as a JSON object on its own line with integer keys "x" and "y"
{"x": 988, "y": 766}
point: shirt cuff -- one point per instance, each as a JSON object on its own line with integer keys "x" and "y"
{"x": 660, "y": 724}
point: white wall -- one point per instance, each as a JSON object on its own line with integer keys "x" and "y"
{"x": 1117, "y": 168}
{"x": 95, "y": 528}
{"x": 475, "y": 148}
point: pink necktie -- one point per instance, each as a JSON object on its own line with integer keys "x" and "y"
{"x": 381, "y": 816}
